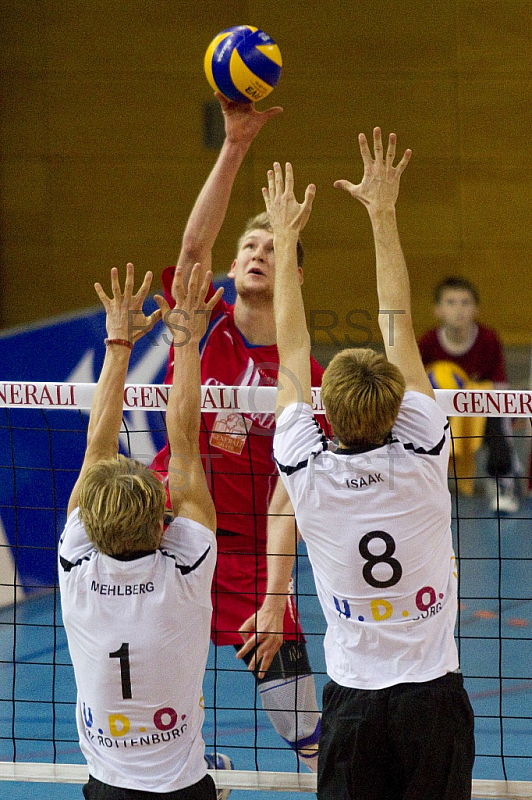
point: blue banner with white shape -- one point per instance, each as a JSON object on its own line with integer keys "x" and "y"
{"x": 41, "y": 450}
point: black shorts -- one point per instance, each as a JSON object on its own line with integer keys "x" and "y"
{"x": 413, "y": 741}
{"x": 96, "y": 790}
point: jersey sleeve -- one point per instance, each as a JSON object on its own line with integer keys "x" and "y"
{"x": 192, "y": 546}
{"x": 422, "y": 427}
{"x": 74, "y": 544}
{"x": 297, "y": 438}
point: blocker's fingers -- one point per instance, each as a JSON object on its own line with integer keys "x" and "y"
{"x": 271, "y": 184}
{"x": 178, "y": 291}
{"x": 404, "y": 161}
{"x": 377, "y": 143}
{"x": 193, "y": 288}
{"x": 204, "y": 288}
{"x": 289, "y": 178}
{"x": 310, "y": 193}
{"x": 162, "y": 303}
{"x": 390, "y": 152}
{"x": 115, "y": 283}
{"x": 145, "y": 288}
{"x": 130, "y": 279}
{"x": 343, "y": 184}
{"x": 214, "y": 299}
{"x": 278, "y": 176}
{"x": 101, "y": 294}
{"x": 364, "y": 149}
{"x": 153, "y": 319}
{"x": 306, "y": 206}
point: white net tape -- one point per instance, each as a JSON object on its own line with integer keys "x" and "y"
{"x": 248, "y": 399}
{"x": 241, "y": 779}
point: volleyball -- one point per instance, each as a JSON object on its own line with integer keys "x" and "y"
{"x": 447, "y": 375}
{"x": 243, "y": 63}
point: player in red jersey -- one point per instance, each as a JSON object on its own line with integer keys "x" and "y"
{"x": 478, "y": 351}
{"x": 253, "y": 510}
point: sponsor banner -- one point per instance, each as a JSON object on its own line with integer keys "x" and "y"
{"x": 484, "y": 403}
{"x": 247, "y": 399}
{"x": 148, "y": 397}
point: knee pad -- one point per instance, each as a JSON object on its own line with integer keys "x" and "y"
{"x": 288, "y": 696}
{"x": 293, "y": 711}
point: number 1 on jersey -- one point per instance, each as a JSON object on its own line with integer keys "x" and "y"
{"x": 125, "y": 674}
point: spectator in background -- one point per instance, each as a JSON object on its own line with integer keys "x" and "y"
{"x": 462, "y": 353}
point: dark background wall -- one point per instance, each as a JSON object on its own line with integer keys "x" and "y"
{"x": 102, "y": 152}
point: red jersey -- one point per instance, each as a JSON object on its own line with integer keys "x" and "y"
{"x": 484, "y": 361}
{"x": 236, "y": 448}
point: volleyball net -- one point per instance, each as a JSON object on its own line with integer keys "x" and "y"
{"x": 42, "y": 440}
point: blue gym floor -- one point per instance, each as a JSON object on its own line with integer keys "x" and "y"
{"x": 495, "y": 560}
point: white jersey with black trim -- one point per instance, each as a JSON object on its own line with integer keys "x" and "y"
{"x": 138, "y": 634}
{"x": 377, "y": 529}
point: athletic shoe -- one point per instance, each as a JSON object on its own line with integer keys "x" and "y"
{"x": 505, "y": 500}
{"x": 219, "y": 761}
{"x": 508, "y": 503}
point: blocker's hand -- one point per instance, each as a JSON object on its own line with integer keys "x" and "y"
{"x": 190, "y": 316}
{"x": 283, "y": 210}
{"x": 125, "y": 318}
{"x": 379, "y": 187}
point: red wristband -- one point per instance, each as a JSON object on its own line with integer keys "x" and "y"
{"x": 125, "y": 342}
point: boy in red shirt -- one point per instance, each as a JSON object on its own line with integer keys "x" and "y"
{"x": 478, "y": 353}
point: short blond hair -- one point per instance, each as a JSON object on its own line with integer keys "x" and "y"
{"x": 121, "y": 505}
{"x": 261, "y": 222}
{"x": 362, "y": 392}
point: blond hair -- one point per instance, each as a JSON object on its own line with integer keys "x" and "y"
{"x": 261, "y": 222}
{"x": 362, "y": 391}
{"x": 121, "y": 505}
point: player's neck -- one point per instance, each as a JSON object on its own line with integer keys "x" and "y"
{"x": 255, "y": 321}
{"x": 457, "y": 340}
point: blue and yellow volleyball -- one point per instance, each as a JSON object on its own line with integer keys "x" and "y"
{"x": 447, "y": 375}
{"x": 243, "y": 63}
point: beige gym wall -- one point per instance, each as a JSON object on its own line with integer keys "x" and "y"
{"x": 102, "y": 152}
